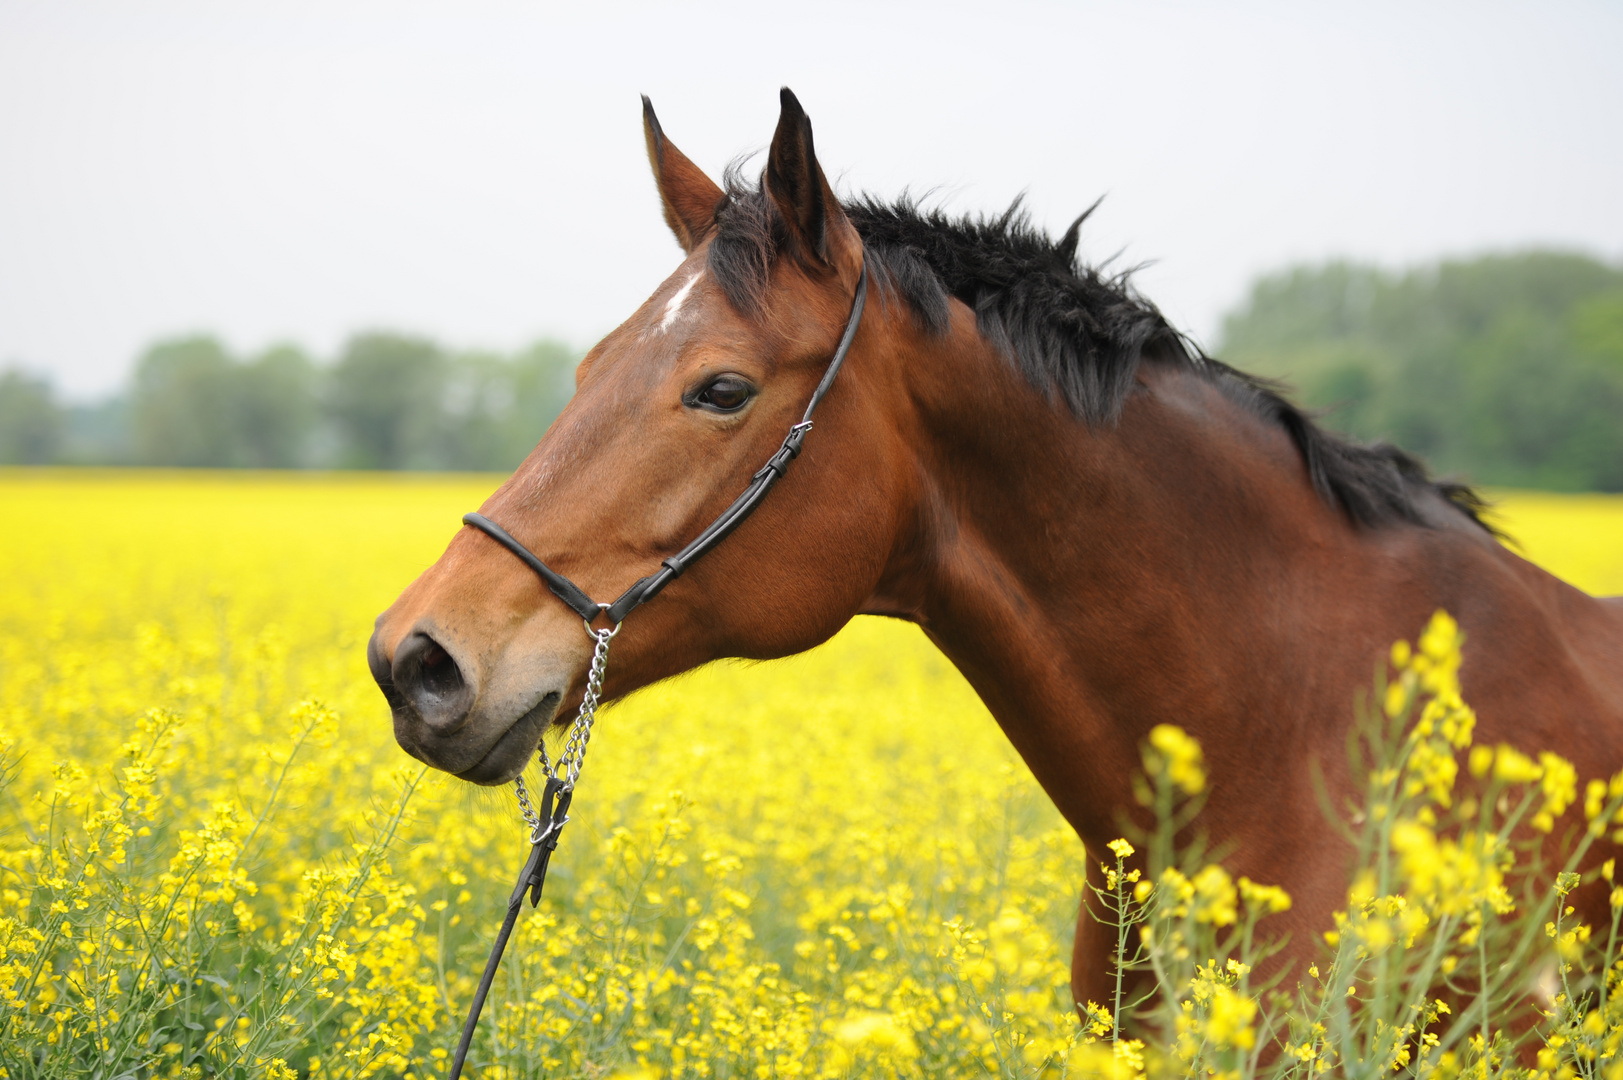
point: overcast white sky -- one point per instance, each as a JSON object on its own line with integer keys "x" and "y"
{"x": 475, "y": 171}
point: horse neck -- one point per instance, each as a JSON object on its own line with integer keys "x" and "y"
{"x": 1091, "y": 583}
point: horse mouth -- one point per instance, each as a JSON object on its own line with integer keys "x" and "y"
{"x": 507, "y": 758}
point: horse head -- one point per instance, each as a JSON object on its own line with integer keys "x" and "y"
{"x": 673, "y": 413}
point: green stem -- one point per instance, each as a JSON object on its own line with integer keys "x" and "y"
{"x": 1122, "y": 924}
{"x": 1482, "y": 961}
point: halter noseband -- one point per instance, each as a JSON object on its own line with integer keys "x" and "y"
{"x": 645, "y": 589}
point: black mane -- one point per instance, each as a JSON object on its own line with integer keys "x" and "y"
{"x": 1070, "y": 329}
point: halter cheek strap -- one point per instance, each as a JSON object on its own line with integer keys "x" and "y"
{"x": 645, "y": 589}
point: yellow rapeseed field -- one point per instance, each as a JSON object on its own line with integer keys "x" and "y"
{"x": 1576, "y": 537}
{"x": 214, "y": 861}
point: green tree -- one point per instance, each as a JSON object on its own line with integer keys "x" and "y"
{"x": 1507, "y": 368}
{"x": 1597, "y": 331}
{"x": 98, "y": 433}
{"x": 543, "y": 383}
{"x": 386, "y": 396}
{"x": 497, "y": 408}
{"x": 478, "y": 404}
{"x": 182, "y": 405}
{"x": 1305, "y": 307}
{"x": 31, "y": 422}
{"x": 391, "y": 401}
{"x": 276, "y": 409}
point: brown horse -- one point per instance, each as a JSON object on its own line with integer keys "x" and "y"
{"x": 1101, "y": 527}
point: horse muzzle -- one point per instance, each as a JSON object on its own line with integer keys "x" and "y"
{"x": 438, "y": 718}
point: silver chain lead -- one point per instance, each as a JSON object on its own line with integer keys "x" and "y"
{"x": 531, "y": 818}
{"x": 580, "y": 733}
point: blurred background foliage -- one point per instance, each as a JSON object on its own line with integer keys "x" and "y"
{"x": 1504, "y": 369}
{"x": 387, "y": 401}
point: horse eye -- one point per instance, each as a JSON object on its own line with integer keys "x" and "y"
{"x": 725, "y": 394}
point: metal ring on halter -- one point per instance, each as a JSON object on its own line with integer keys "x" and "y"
{"x": 548, "y": 828}
{"x": 591, "y": 632}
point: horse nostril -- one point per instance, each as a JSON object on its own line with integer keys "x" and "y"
{"x": 430, "y": 681}
{"x": 441, "y": 676}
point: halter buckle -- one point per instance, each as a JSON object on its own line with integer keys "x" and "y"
{"x": 796, "y": 436}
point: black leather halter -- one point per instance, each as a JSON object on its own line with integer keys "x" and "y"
{"x": 645, "y": 589}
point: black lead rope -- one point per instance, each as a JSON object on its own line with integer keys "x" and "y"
{"x": 554, "y": 812}
{"x": 560, "y": 789}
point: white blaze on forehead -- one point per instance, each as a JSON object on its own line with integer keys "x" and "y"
{"x": 673, "y": 306}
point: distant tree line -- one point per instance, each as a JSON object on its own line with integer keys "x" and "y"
{"x": 389, "y": 401}
{"x": 1505, "y": 369}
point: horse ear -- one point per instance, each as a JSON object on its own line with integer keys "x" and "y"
{"x": 690, "y": 198}
{"x": 797, "y": 185}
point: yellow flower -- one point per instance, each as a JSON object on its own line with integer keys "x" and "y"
{"x": 1594, "y": 799}
{"x": 1431, "y": 768}
{"x": 1559, "y": 783}
{"x": 1176, "y": 892}
{"x": 1129, "y": 1055}
{"x": 877, "y": 1031}
{"x": 1397, "y": 696}
{"x": 1228, "y": 1022}
{"x": 1100, "y": 1062}
{"x": 1175, "y": 753}
{"x": 1121, "y": 848}
{"x": 1452, "y": 875}
{"x": 1511, "y": 766}
{"x": 1265, "y": 899}
{"x": 1215, "y": 897}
